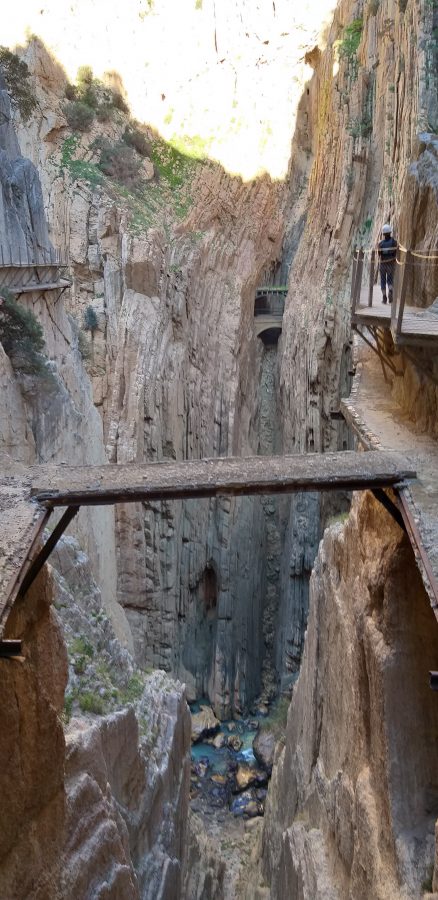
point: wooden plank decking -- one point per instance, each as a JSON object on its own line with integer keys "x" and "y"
{"x": 29, "y": 494}
{"x": 100, "y": 485}
{"x": 21, "y": 525}
{"x": 39, "y": 286}
{"x": 419, "y": 326}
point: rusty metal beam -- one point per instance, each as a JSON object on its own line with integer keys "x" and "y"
{"x": 42, "y": 557}
{"x": 390, "y": 507}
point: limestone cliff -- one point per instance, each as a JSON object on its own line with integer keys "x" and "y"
{"x": 103, "y": 810}
{"x": 352, "y": 801}
{"x": 176, "y": 372}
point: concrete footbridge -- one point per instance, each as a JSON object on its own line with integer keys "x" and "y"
{"x": 268, "y": 312}
{"x": 30, "y": 495}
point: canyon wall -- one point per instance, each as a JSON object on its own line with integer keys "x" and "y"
{"x": 352, "y": 801}
{"x": 95, "y": 791}
{"x": 176, "y": 372}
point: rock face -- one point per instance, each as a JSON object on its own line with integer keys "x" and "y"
{"x": 352, "y": 806}
{"x": 32, "y": 750}
{"x": 103, "y": 812}
{"x": 125, "y": 839}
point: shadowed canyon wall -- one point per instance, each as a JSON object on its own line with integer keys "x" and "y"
{"x": 176, "y": 372}
{"x": 353, "y": 797}
{"x": 217, "y": 592}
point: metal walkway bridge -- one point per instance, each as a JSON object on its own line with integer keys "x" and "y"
{"x": 29, "y": 495}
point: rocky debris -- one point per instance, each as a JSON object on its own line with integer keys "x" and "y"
{"x": 264, "y": 748}
{"x": 218, "y": 741}
{"x": 246, "y": 776}
{"x": 204, "y": 724}
{"x": 247, "y": 804}
{"x": 204, "y": 867}
{"x": 234, "y": 742}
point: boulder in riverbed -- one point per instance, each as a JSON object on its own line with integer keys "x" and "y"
{"x": 263, "y": 747}
{"x": 204, "y": 724}
{"x": 235, "y": 742}
{"x": 248, "y": 775}
{"x": 246, "y": 805}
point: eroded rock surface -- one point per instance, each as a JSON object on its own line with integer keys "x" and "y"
{"x": 351, "y": 808}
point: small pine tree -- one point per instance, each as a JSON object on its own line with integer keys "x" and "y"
{"x": 21, "y": 336}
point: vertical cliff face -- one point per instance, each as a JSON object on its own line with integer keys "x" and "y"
{"x": 51, "y": 417}
{"x": 352, "y": 802}
{"x": 176, "y": 373}
{"x": 32, "y": 749}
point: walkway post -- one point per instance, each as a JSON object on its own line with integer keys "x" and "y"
{"x": 404, "y": 287}
{"x": 372, "y": 273}
{"x": 353, "y": 281}
{"x": 358, "y": 283}
{"x": 398, "y": 275}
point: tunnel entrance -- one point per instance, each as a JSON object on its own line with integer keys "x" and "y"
{"x": 209, "y": 590}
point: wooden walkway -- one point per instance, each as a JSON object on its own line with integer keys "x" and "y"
{"x": 418, "y": 326}
{"x": 29, "y": 494}
{"x": 380, "y": 424}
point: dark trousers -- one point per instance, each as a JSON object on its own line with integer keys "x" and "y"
{"x": 386, "y": 276}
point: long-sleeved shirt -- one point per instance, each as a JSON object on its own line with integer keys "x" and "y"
{"x": 387, "y": 250}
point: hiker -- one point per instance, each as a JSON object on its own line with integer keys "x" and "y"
{"x": 387, "y": 256}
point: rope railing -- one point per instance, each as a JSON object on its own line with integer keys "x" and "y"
{"x": 413, "y": 280}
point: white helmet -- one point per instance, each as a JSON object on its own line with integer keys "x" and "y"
{"x": 386, "y": 229}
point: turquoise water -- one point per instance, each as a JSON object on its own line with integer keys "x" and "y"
{"x": 219, "y": 760}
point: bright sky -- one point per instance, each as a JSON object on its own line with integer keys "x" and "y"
{"x": 228, "y": 71}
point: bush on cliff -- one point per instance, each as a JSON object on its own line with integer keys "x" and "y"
{"x": 16, "y": 74}
{"x": 98, "y": 99}
{"x": 133, "y": 137}
{"x": 79, "y": 115}
{"x": 21, "y": 336}
{"x": 118, "y": 161}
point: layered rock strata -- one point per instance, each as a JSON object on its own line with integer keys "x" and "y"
{"x": 102, "y": 811}
{"x": 352, "y": 802}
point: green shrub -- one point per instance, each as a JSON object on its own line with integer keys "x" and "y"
{"x": 349, "y": 44}
{"x": 80, "y": 664}
{"x": 360, "y": 127}
{"x": 79, "y": 115}
{"x": 133, "y": 137}
{"x": 16, "y": 73}
{"x": 104, "y": 111}
{"x": 276, "y": 721}
{"x": 21, "y": 336}
{"x": 84, "y": 77}
{"x": 119, "y": 102}
{"x": 90, "y": 320}
{"x": 119, "y": 161}
{"x": 91, "y": 702}
{"x": 134, "y": 689}
{"x": 68, "y": 708}
{"x": 71, "y": 92}
{"x": 82, "y": 645}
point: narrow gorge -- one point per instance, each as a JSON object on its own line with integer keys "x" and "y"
{"x": 218, "y": 694}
